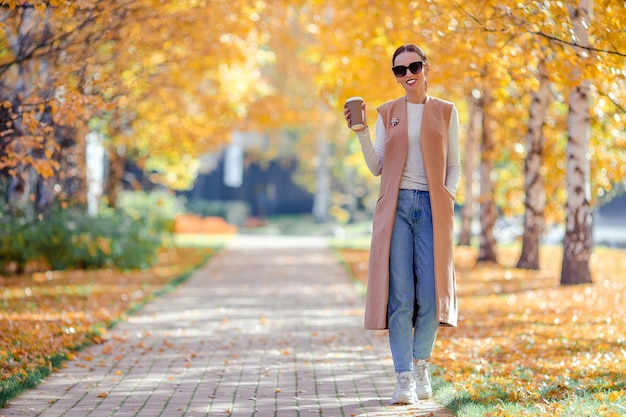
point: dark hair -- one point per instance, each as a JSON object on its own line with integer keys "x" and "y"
{"x": 409, "y": 48}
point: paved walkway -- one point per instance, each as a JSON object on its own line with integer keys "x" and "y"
{"x": 269, "y": 327}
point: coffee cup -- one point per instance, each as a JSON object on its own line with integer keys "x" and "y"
{"x": 357, "y": 115}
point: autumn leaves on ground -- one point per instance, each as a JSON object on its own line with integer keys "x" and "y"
{"x": 46, "y": 316}
{"x": 527, "y": 347}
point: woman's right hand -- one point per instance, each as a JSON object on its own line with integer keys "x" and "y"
{"x": 346, "y": 115}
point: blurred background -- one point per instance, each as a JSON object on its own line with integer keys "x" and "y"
{"x": 123, "y": 121}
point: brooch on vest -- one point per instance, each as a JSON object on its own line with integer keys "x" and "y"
{"x": 394, "y": 121}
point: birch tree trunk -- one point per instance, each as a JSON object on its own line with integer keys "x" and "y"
{"x": 321, "y": 200}
{"x": 535, "y": 199}
{"x": 469, "y": 166}
{"x": 488, "y": 213}
{"x": 578, "y": 243}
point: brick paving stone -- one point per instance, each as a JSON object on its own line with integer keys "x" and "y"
{"x": 271, "y": 326}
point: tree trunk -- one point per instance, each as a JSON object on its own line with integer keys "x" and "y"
{"x": 29, "y": 191}
{"x": 469, "y": 165}
{"x": 578, "y": 244}
{"x": 321, "y": 201}
{"x": 21, "y": 184}
{"x": 113, "y": 181}
{"x": 488, "y": 212}
{"x": 21, "y": 192}
{"x": 535, "y": 200}
{"x": 46, "y": 195}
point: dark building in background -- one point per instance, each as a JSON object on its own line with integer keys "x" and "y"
{"x": 609, "y": 223}
{"x": 267, "y": 188}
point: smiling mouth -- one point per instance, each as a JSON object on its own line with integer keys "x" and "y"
{"x": 411, "y": 81}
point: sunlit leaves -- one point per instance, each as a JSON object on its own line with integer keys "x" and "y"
{"x": 51, "y": 313}
{"x": 522, "y": 339}
{"x": 195, "y": 77}
{"x": 175, "y": 79}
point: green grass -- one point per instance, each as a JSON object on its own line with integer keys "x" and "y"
{"x": 583, "y": 403}
{"x": 15, "y": 385}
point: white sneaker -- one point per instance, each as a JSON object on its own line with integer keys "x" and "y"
{"x": 405, "y": 389}
{"x": 422, "y": 380}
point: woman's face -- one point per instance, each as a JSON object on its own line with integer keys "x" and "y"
{"x": 410, "y": 81}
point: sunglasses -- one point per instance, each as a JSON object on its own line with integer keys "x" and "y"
{"x": 414, "y": 67}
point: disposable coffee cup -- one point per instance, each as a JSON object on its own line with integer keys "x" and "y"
{"x": 357, "y": 115}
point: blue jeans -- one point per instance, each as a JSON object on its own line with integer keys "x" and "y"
{"x": 412, "y": 310}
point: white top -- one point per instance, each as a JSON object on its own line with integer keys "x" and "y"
{"x": 414, "y": 175}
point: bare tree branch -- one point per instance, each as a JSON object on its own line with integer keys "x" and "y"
{"x": 617, "y": 105}
{"x": 574, "y": 44}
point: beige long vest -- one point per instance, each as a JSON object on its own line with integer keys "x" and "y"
{"x": 434, "y": 144}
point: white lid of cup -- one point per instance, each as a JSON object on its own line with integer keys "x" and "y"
{"x": 354, "y": 99}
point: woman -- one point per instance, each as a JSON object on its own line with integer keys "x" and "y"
{"x": 411, "y": 285}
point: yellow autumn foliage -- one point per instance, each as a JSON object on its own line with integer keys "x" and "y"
{"x": 174, "y": 80}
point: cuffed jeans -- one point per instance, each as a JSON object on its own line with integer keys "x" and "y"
{"x": 412, "y": 311}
